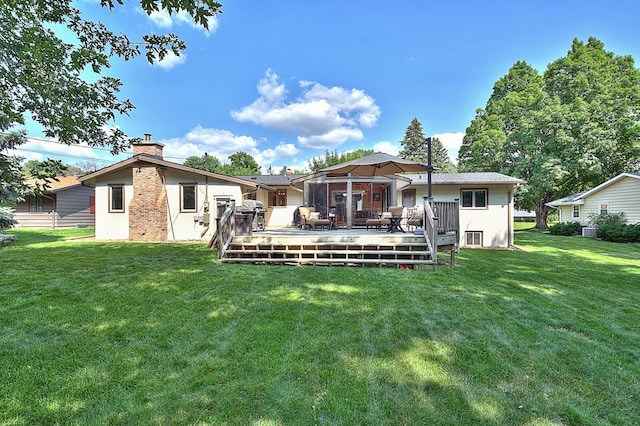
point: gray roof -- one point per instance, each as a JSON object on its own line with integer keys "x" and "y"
{"x": 271, "y": 180}
{"x": 480, "y": 178}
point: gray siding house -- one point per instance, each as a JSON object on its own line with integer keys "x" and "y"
{"x": 65, "y": 204}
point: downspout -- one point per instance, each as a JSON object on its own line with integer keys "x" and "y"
{"x": 206, "y": 197}
{"x": 510, "y": 239}
{"x": 164, "y": 184}
{"x": 53, "y": 218}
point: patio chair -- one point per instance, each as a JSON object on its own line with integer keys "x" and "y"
{"x": 376, "y": 223}
{"x": 416, "y": 219}
{"x": 309, "y": 218}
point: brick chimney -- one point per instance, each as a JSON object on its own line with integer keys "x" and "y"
{"x": 148, "y": 147}
{"x": 148, "y": 207}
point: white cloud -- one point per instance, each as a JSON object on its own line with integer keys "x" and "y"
{"x": 277, "y": 156}
{"x": 387, "y": 147}
{"x": 322, "y": 117}
{"x": 331, "y": 139}
{"x": 40, "y": 149}
{"x": 452, "y": 142}
{"x": 171, "y": 60}
{"x": 162, "y": 19}
{"x": 215, "y": 142}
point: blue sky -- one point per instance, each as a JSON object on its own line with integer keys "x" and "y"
{"x": 285, "y": 80}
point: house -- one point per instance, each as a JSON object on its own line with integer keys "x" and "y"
{"x": 280, "y": 198}
{"x": 66, "y": 203}
{"x": 146, "y": 198}
{"x": 486, "y": 200}
{"x": 486, "y": 203}
{"x": 620, "y": 194}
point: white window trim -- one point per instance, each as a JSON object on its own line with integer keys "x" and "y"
{"x": 111, "y": 187}
{"x": 195, "y": 195}
{"x": 474, "y": 233}
{"x": 473, "y": 198}
{"x": 573, "y": 211}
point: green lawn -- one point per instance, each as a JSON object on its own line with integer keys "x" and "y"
{"x": 134, "y": 333}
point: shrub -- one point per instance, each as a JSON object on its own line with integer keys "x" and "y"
{"x": 618, "y": 232}
{"x": 6, "y": 221}
{"x": 566, "y": 228}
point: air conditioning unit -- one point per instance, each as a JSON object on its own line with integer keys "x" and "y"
{"x": 589, "y": 232}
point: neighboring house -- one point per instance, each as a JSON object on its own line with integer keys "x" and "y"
{"x": 524, "y": 216}
{"x": 486, "y": 203}
{"x": 65, "y": 204}
{"x": 620, "y": 194}
{"x": 146, "y": 198}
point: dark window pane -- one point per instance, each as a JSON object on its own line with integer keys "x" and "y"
{"x": 481, "y": 199}
{"x": 117, "y": 202}
{"x": 467, "y": 198}
{"x": 188, "y": 197}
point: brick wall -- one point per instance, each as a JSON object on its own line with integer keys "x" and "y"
{"x": 148, "y": 207}
{"x": 149, "y": 148}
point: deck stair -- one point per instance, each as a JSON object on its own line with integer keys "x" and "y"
{"x": 374, "y": 249}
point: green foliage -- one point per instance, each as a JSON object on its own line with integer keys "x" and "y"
{"x": 612, "y": 227}
{"x": 6, "y": 221}
{"x": 618, "y": 233}
{"x": 416, "y": 148}
{"x": 563, "y": 132}
{"x": 205, "y": 162}
{"x": 566, "y": 228}
{"x": 332, "y": 158}
{"x": 240, "y": 164}
{"x": 42, "y": 76}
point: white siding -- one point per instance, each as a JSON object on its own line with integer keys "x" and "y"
{"x": 182, "y": 226}
{"x": 113, "y": 226}
{"x": 283, "y": 216}
{"x": 494, "y": 222}
{"x": 622, "y": 196}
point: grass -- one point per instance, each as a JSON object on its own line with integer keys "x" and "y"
{"x": 134, "y": 333}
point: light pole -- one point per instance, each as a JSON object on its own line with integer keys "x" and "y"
{"x": 430, "y": 167}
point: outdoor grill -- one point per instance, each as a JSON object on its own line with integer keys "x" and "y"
{"x": 258, "y": 210}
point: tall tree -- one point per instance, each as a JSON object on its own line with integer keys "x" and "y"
{"x": 205, "y": 162}
{"x": 563, "y": 132}
{"x": 331, "y": 158}
{"x": 416, "y": 148}
{"x": 241, "y": 163}
{"x": 413, "y": 144}
{"x": 41, "y": 75}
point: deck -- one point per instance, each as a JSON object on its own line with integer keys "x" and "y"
{"x": 338, "y": 247}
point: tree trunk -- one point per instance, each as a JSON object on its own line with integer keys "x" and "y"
{"x": 542, "y": 212}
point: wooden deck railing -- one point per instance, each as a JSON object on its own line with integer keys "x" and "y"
{"x": 430, "y": 229}
{"x": 441, "y": 217}
{"x": 448, "y": 214}
{"x": 226, "y": 228}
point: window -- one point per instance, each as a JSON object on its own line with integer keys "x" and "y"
{"x": 116, "y": 198}
{"x": 35, "y": 203}
{"x": 188, "y": 197}
{"x": 576, "y": 212}
{"x": 473, "y": 238}
{"x": 604, "y": 208}
{"x": 278, "y": 198}
{"x": 474, "y": 198}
